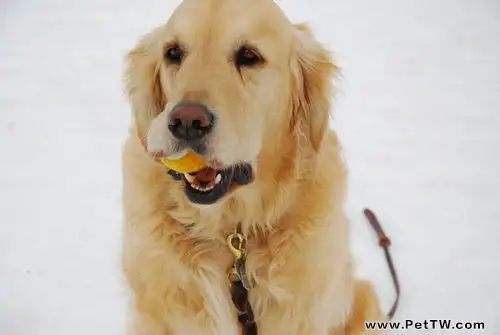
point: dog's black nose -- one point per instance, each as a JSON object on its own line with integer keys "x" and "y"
{"x": 190, "y": 121}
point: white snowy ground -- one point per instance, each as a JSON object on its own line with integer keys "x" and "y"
{"x": 418, "y": 109}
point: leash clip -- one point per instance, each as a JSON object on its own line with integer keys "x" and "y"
{"x": 235, "y": 244}
{"x": 237, "y": 272}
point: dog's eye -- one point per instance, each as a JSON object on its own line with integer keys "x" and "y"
{"x": 174, "y": 54}
{"x": 246, "y": 56}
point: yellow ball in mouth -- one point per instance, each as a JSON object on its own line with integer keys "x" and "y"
{"x": 185, "y": 162}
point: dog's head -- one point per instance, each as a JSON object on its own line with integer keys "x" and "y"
{"x": 230, "y": 80}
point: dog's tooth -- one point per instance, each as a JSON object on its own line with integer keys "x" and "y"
{"x": 206, "y": 188}
{"x": 218, "y": 178}
{"x": 189, "y": 178}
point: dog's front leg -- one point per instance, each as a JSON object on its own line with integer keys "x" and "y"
{"x": 315, "y": 310}
{"x": 181, "y": 302}
{"x": 183, "y": 313}
{"x": 304, "y": 283}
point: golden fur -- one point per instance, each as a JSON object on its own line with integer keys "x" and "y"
{"x": 276, "y": 117}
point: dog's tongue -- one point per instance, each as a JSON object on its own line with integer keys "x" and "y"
{"x": 206, "y": 175}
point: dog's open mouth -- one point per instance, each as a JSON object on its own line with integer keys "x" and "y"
{"x": 209, "y": 185}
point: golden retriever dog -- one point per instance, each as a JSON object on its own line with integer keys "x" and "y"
{"x": 240, "y": 85}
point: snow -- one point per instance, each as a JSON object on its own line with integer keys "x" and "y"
{"x": 417, "y": 108}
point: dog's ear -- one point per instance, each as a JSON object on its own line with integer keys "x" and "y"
{"x": 313, "y": 71}
{"x": 142, "y": 81}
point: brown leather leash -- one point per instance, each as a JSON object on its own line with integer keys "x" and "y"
{"x": 241, "y": 284}
{"x": 385, "y": 243}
